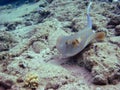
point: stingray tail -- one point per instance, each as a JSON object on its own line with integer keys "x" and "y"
{"x": 89, "y": 20}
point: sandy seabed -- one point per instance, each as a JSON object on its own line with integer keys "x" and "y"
{"x": 29, "y": 59}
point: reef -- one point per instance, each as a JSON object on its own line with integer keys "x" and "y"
{"x": 29, "y": 59}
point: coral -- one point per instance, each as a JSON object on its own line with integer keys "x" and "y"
{"x": 6, "y": 41}
{"x": 102, "y": 60}
{"x": 31, "y": 80}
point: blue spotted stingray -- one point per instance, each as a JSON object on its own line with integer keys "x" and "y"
{"x": 71, "y": 45}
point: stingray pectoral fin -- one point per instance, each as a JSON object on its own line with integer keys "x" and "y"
{"x": 100, "y": 36}
{"x": 61, "y": 44}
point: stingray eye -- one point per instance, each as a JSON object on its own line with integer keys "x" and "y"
{"x": 68, "y": 42}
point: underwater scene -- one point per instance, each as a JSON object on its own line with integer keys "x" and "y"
{"x": 59, "y": 44}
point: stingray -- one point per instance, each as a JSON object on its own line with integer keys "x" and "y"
{"x": 71, "y": 45}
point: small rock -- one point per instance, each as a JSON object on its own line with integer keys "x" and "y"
{"x": 98, "y": 88}
{"x": 36, "y": 0}
{"x": 114, "y": 82}
{"x": 115, "y": 40}
{"x": 20, "y": 80}
{"x": 114, "y": 78}
{"x": 4, "y": 47}
{"x": 52, "y": 86}
{"x": 11, "y": 27}
{"x": 117, "y": 30}
{"x": 100, "y": 80}
{"x": 94, "y": 27}
{"x": 114, "y": 21}
{"x": 28, "y": 23}
{"x": 64, "y": 82}
{"x": 22, "y": 65}
{"x": 49, "y": 1}
{"x": 110, "y": 26}
{"x": 38, "y": 46}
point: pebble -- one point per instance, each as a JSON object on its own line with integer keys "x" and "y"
{"x": 117, "y": 30}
